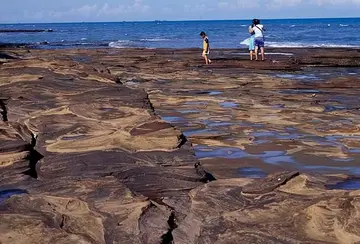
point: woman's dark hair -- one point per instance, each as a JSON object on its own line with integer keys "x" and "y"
{"x": 256, "y": 21}
{"x": 202, "y": 34}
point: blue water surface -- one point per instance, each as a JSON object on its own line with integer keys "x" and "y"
{"x": 185, "y": 34}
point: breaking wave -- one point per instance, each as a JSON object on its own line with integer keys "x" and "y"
{"x": 121, "y": 44}
{"x": 154, "y": 39}
{"x": 302, "y": 45}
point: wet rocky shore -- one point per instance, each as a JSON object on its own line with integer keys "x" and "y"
{"x": 151, "y": 146}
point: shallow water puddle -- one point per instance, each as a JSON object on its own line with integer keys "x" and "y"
{"x": 279, "y": 160}
{"x": 349, "y": 184}
{"x": 341, "y": 137}
{"x": 329, "y": 169}
{"x": 6, "y": 194}
{"x": 211, "y": 93}
{"x": 203, "y": 132}
{"x": 219, "y": 152}
{"x": 332, "y": 108}
{"x": 250, "y": 172}
{"x": 298, "y": 76}
{"x": 259, "y": 142}
{"x": 277, "y": 135}
{"x": 219, "y": 124}
{"x": 300, "y": 91}
{"x": 264, "y": 134}
{"x": 214, "y": 93}
{"x": 189, "y": 111}
{"x": 270, "y": 157}
{"x": 226, "y": 129}
{"x": 355, "y": 150}
{"x": 228, "y": 105}
{"x": 172, "y": 119}
{"x": 195, "y": 103}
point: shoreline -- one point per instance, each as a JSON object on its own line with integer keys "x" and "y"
{"x": 296, "y": 58}
{"x": 151, "y": 146}
{"x": 45, "y": 45}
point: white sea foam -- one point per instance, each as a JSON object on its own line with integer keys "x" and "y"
{"x": 120, "y": 44}
{"x": 343, "y": 25}
{"x": 84, "y": 38}
{"x": 301, "y": 45}
{"x": 154, "y": 39}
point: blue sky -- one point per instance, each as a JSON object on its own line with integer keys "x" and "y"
{"x": 15, "y": 11}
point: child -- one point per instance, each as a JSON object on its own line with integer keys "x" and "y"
{"x": 206, "y": 47}
{"x": 258, "y": 29}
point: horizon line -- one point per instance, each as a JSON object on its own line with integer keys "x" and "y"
{"x": 188, "y": 20}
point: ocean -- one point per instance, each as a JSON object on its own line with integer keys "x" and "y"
{"x": 185, "y": 34}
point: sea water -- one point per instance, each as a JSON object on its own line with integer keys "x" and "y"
{"x": 185, "y": 34}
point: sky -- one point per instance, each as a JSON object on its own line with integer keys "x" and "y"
{"x": 35, "y": 11}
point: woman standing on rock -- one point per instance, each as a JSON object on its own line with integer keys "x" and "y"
{"x": 251, "y": 41}
{"x": 259, "y": 42}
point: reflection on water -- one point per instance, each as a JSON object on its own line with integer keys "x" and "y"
{"x": 172, "y": 119}
{"x": 298, "y": 76}
{"x": 214, "y": 93}
{"x": 300, "y": 91}
{"x": 254, "y": 173}
{"x": 269, "y": 157}
{"x": 219, "y": 152}
{"x": 189, "y": 111}
{"x": 228, "y": 105}
{"x": 219, "y": 124}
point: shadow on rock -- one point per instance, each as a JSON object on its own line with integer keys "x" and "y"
{"x": 206, "y": 177}
{"x": 168, "y": 237}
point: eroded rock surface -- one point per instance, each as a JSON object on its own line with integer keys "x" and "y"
{"x": 87, "y": 153}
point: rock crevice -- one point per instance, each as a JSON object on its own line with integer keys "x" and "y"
{"x": 4, "y": 113}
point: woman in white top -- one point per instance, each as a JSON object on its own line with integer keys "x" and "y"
{"x": 258, "y": 29}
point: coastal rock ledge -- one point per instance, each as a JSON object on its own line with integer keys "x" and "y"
{"x": 86, "y": 159}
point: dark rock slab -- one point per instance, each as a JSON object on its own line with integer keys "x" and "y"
{"x": 97, "y": 165}
{"x": 270, "y": 183}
